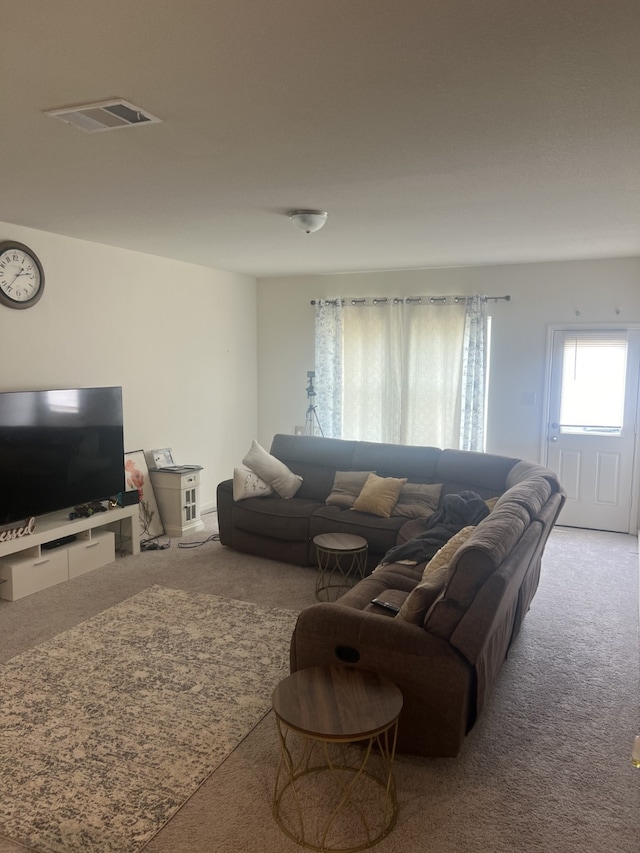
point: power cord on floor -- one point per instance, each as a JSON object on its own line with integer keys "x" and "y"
{"x": 150, "y": 545}
{"x": 215, "y": 537}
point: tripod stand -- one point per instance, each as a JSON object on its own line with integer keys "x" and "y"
{"x": 312, "y": 424}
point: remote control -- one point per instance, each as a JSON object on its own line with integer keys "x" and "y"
{"x": 386, "y": 604}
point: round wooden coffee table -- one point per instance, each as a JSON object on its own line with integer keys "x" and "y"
{"x": 337, "y": 728}
{"x": 342, "y": 561}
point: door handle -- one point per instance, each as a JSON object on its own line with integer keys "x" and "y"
{"x": 553, "y": 438}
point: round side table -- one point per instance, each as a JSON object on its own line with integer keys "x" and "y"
{"x": 337, "y": 728}
{"x": 342, "y": 561}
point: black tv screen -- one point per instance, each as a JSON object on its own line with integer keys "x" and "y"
{"x": 59, "y": 449}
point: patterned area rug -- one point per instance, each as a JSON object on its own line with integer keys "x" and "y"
{"x": 107, "y": 729}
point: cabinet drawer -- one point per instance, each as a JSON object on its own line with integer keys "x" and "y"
{"x": 175, "y": 481}
{"x": 26, "y": 575}
{"x": 89, "y": 554}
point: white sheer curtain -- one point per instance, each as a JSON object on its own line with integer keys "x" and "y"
{"x": 372, "y": 371}
{"x": 432, "y": 373}
{"x": 392, "y": 370}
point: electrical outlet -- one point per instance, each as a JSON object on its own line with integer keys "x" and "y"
{"x": 299, "y": 430}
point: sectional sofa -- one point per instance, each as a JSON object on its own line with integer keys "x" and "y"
{"x": 461, "y": 591}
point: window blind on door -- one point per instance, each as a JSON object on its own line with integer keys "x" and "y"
{"x": 593, "y": 382}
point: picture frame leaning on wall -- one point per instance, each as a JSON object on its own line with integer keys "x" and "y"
{"x": 136, "y": 477}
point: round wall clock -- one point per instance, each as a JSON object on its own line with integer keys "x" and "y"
{"x": 21, "y": 275}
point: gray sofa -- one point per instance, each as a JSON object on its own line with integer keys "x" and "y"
{"x": 446, "y": 658}
{"x": 283, "y": 529}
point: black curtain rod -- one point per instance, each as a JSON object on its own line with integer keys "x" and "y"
{"x": 433, "y": 300}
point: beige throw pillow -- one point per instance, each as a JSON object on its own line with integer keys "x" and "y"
{"x": 379, "y": 495}
{"x": 247, "y": 484}
{"x": 272, "y": 471}
{"x": 417, "y": 603}
{"x": 347, "y": 485}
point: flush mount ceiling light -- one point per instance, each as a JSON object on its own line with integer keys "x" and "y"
{"x": 308, "y": 220}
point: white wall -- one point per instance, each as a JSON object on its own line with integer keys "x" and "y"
{"x": 206, "y": 365}
{"x": 179, "y": 338}
{"x": 604, "y": 291}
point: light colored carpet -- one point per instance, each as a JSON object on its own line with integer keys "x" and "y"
{"x": 108, "y": 728}
{"x": 547, "y": 768}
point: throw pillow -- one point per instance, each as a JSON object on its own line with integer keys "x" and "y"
{"x": 272, "y": 471}
{"x": 418, "y": 500}
{"x": 347, "y": 485}
{"x": 247, "y": 484}
{"x": 379, "y": 495}
{"x": 417, "y": 603}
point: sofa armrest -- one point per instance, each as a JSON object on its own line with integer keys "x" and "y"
{"x": 437, "y": 683}
{"x": 224, "y": 506}
{"x": 324, "y": 628}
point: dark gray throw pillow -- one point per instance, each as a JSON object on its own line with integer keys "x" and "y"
{"x": 347, "y": 485}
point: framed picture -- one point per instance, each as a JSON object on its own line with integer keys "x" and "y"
{"x": 136, "y": 477}
{"x": 163, "y": 457}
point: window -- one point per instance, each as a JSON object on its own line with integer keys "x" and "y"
{"x": 405, "y": 371}
{"x": 593, "y": 383}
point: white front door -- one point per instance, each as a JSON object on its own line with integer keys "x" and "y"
{"x": 592, "y": 425}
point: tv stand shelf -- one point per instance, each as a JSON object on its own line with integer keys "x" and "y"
{"x": 27, "y": 567}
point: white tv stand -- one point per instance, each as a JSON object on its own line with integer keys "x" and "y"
{"x": 27, "y": 566}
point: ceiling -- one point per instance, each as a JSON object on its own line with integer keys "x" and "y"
{"x": 435, "y": 132}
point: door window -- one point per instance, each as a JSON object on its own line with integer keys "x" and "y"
{"x": 593, "y": 383}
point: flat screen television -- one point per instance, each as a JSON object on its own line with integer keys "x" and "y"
{"x": 59, "y": 449}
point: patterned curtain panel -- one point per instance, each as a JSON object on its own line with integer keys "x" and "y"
{"x": 474, "y": 378}
{"x": 328, "y": 366}
{"x": 402, "y": 371}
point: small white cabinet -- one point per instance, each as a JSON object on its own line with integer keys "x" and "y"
{"x": 178, "y": 497}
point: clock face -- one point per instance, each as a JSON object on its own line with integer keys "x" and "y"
{"x": 21, "y": 276}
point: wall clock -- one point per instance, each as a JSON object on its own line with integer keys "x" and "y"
{"x": 21, "y": 275}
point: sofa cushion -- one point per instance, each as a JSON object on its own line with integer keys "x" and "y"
{"x": 524, "y": 470}
{"x": 400, "y": 575}
{"x": 379, "y": 532}
{"x": 275, "y": 517}
{"x": 317, "y": 480}
{"x": 418, "y": 500}
{"x": 484, "y": 473}
{"x": 532, "y": 494}
{"x": 415, "y": 607}
{"x": 247, "y": 484}
{"x": 396, "y": 460}
{"x": 336, "y": 453}
{"x": 361, "y": 595}
{"x": 379, "y": 495}
{"x": 347, "y": 485}
{"x": 492, "y": 540}
{"x": 272, "y": 471}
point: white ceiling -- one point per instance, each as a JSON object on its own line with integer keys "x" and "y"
{"x": 434, "y": 132}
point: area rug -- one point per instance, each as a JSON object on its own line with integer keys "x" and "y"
{"x": 107, "y": 729}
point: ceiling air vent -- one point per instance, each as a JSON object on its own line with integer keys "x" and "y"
{"x": 107, "y": 115}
